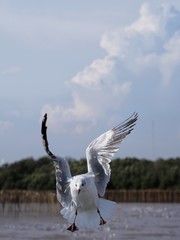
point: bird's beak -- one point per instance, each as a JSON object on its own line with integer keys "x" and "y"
{"x": 79, "y": 191}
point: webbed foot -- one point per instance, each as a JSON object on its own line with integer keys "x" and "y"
{"x": 72, "y": 228}
{"x": 102, "y": 221}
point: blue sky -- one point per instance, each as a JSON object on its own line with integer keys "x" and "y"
{"x": 89, "y": 65}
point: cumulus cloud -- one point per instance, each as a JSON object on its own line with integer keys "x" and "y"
{"x": 150, "y": 43}
{"x": 92, "y": 76}
{"x": 170, "y": 59}
{"x": 75, "y": 116}
{"x": 153, "y": 40}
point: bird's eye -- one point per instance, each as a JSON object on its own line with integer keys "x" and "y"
{"x": 83, "y": 184}
{"x": 76, "y": 184}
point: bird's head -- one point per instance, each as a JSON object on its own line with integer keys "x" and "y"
{"x": 80, "y": 183}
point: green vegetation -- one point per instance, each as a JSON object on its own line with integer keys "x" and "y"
{"x": 128, "y": 173}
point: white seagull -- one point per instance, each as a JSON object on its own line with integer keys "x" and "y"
{"x": 81, "y": 195}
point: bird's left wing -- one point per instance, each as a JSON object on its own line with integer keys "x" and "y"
{"x": 102, "y": 149}
{"x": 62, "y": 170}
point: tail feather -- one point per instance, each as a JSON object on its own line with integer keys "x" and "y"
{"x": 90, "y": 218}
{"x": 87, "y": 219}
{"x": 106, "y": 208}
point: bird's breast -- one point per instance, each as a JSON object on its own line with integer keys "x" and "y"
{"x": 87, "y": 199}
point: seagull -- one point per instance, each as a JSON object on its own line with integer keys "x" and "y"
{"x": 81, "y": 196}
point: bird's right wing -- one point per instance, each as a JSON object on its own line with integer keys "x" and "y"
{"x": 100, "y": 152}
{"x": 62, "y": 169}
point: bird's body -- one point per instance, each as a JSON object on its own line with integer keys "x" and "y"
{"x": 84, "y": 192}
{"x": 81, "y": 195}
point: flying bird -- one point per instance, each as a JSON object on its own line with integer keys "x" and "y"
{"x": 81, "y": 196}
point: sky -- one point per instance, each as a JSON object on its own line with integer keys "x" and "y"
{"x": 89, "y": 65}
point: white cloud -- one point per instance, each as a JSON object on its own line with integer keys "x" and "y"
{"x": 170, "y": 60}
{"x": 115, "y": 43}
{"x": 147, "y": 23}
{"x": 152, "y": 41}
{"x": 92, "y": 76}
{"x": 10, "y": 70}
{"x": 5, "y": 125}
{"x": 60, "y": 117}
{"x": 149, "y": 44}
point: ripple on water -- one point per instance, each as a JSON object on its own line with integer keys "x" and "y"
{"x": 130, "y": 222}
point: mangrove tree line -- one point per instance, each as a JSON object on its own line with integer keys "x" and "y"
{"x": 128, "y": 173}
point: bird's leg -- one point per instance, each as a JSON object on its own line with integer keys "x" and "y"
{"x": 73, "y": 227}
{"x": 102, "y": 221}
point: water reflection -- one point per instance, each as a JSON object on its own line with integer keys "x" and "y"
{"x": 131, "y": 222}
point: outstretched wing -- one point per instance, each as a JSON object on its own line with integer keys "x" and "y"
{"x": 62, "y": 170}
{"x": 102, "y": 149}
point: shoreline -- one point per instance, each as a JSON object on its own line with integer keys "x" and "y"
{"x": 121, "y": 195}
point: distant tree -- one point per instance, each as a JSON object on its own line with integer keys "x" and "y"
{"x": 127, "y": 173}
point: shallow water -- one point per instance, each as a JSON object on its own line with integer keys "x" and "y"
{"x": 130, "y": 222}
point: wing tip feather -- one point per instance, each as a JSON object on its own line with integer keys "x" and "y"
{"x": 44, "y": 138}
